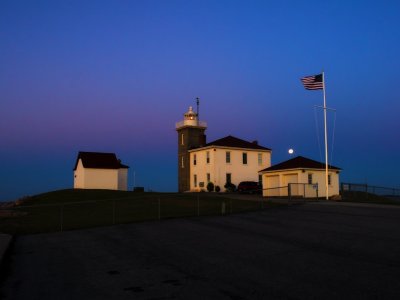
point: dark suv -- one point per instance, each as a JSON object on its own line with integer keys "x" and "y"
{"x": 250, "y": 187}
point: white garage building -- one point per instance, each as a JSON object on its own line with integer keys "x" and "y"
{"x": 303, "y": 175}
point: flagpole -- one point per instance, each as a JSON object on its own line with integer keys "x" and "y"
{"x": 326, "y": 141}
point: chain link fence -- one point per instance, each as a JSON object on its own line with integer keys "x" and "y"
{"x": 358, "y": 191}
{"x": 22, "y": 219}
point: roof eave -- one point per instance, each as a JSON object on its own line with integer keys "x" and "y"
{"x": 299, "y": 168}
{"x": 228, "y": 147}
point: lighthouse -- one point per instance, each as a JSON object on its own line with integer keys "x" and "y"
{"x": 191, "y": 135}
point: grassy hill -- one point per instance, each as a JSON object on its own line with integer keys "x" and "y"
{"x": 363, "y": 197}
{"x": 76, "y": 209}
{"x": 80, "y": 195}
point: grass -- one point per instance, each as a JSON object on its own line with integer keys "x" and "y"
{"x": 77, "y": 209}
{"x": 363, "y": 197}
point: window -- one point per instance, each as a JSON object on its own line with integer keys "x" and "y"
{"x": 228, "y": 178}
{"x": 195, "y": 180}
{"x": 183, "y": 162}
{"x": 208, "y": 177}
{"x": 329, "y": 179}
{"x": 182, "y": 139}
{"x": 310, "y": 178}
{"x": 208, "y": 157}
{"x": 244, "y": 156}
{"x": 259, "y": 159}
{"x": 194, "y": 159}
{"x": 228, "y": 157}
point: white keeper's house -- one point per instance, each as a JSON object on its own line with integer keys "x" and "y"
{"x": 96, "y": 170}
{"x": 226, "y": 160}
{"x": 303, "y": 174}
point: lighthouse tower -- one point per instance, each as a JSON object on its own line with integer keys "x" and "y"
{"x": 190, "y": 136}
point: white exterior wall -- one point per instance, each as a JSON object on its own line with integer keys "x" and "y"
{"x": 274, "y": 179}
{"x": 79, "y": 176}
{"x": 218, "y": 168}
{"x": 123, "y": 179}
{"x": 101, "y": 179}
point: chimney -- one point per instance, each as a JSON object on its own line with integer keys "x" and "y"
{"x": 255, "y": 142}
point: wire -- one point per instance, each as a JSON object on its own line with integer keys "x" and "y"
{"x": 317, "y": 132}
{"x": 333, "y": 137}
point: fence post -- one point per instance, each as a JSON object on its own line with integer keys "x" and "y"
{"x": 198, "y": 204}
{"x": 61, "y": 217}
{"x": 159, "y": 208}
{"x": 113, "y": 217}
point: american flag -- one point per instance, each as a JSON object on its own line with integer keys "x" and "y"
{"x": 314, "y": 82}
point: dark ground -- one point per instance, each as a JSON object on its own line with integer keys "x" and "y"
{"x": 317, "y": 250}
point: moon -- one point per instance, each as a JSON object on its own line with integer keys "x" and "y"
{"x": 291, "y": 151}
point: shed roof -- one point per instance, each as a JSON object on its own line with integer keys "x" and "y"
{"x": 234, "y": 142}
{"x": 299, "y": 162}
{"x": 99, "y": 160}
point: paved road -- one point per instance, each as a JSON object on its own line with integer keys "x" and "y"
{"x": 300, "y": 252}
{"x": 5, "y": 240}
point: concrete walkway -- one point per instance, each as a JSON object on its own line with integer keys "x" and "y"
{"x": 311, "y": 251}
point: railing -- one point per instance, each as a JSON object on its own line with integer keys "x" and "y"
{"x": 293, "y": 192}
{"x": 198, "y": 123}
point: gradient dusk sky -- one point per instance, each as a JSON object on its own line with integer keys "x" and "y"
{"x": 115, "y": 76}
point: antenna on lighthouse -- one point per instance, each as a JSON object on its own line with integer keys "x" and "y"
{"x": 198, "y": 103}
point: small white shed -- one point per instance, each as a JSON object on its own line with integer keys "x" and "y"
{"x": 96, "y": 170}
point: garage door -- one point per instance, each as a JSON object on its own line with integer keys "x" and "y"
{"x": 272, "y": 182}
{"x": 291, "y": 178}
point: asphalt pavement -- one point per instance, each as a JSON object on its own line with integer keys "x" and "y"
{"x": 311, "y": 251}
{"x": 5, "y": 240}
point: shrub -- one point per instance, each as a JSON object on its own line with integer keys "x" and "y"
{"x": 230, "y": 187}
{"x": 217, "y": 189}
{"x": 210, "y": 187}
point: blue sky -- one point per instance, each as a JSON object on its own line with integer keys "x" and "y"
{"x": 115, "y": 76}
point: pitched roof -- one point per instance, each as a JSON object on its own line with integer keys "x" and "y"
{"x": 231, "y": 141}
{"x": 98, "y": 160}
{"x": 299, "y": 162}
